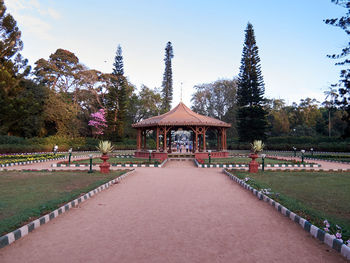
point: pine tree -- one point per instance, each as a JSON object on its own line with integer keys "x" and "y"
{"x": 252, "y": 122}
{"x": 116, "y": 100}
{"x": 167, "y": 85}
{"x": 122, "y": 98}
{"x": 118, "y": 64}
{"x": 13, "y": 69}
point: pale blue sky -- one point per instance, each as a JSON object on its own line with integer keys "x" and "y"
{"x": 207, "y": 38}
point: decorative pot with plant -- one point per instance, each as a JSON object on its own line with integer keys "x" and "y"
{"x": 256, "y": 147}
{"x": 105, "y": 147}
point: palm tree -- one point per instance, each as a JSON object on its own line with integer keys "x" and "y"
{"x": 330, "y": 104}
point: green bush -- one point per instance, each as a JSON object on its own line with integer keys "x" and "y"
{"x": 19, "y": 148}
{"x": 12, "y": 144}
{"x": 286, "y": 143}
{"x": 5, "y": 139}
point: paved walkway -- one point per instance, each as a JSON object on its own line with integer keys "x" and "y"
{"x": 180, "y": 214}
{"x": 47, "y": 165}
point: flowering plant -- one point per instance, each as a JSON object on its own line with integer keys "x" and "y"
{"x": 15, "y": 158}
{"x": 200, "y": 161}
{"x": 336, "y": 232}
{"x": 98, "y": 121}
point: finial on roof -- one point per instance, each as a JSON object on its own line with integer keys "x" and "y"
{"x": 181, "y": 92}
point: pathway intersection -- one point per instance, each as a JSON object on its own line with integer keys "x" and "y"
{"x": 173, "y": 214}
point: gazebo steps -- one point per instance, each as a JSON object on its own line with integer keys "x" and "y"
{"x": 180, "y": 155}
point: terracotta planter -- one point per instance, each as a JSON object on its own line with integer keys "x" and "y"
{"x": 104, "y": 167}
{"x": 253, "y": 165}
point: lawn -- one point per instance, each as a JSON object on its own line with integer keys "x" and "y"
{"x": 314, "y": 195}
{"x": 118, "y": 160}
{"x": 26, "y": 196}
{"x": 243, "y": 160}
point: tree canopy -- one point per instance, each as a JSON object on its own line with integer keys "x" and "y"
{"x": 344, "y": 83}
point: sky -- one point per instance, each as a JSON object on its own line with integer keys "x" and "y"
{"x": 207, "y": 38}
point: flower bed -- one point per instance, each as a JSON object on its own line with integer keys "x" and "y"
{"x": 19, "y": 158}
{"x": 115, "y": 161}
{"x": 243, "y": 161}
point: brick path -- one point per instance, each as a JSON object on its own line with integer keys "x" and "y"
{"x": 173, "y": 214}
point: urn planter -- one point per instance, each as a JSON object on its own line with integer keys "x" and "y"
{"x": 253, "y": 165}
{"x": 104, "y": 167}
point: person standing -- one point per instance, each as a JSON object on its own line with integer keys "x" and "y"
{"x": 55, "y": 149}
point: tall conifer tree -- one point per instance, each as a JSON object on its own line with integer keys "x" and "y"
{"x": 116, "y": 100}
{"x": 252, "y": 123}
{"x": 167, "y": 85}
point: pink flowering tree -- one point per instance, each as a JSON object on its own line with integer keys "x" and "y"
{"x": 98, "y": 122}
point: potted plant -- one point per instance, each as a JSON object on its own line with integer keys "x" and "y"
{"x": 105, "y": 147}
{"x": 256, "y": 147}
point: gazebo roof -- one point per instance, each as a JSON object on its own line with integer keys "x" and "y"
{"x": 181, "y": 115}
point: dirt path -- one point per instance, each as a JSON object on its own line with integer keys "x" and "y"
{"x": 324, "y": 165}
{"x": 47, "y": 165}
{"x": 175, "y": 214}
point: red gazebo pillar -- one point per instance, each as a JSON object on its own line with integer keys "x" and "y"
{"x": 138, "y": 140}
{"x": 222, "y": 139}
{"x": 218, "y": 137}
{"x": 225, "y": 140}
{"x": 144, "y": 140}
{"x": 204, "y": 143}
{"x": 193, "y": 142}
{"x": 157, "y": 140}
{"x": 169, "y": 141}
{"x": 164, "y": 140}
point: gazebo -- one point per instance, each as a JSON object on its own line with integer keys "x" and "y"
{"x": 180, "y": 118}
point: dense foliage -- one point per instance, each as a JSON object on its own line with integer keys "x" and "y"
{"x": 59, "y": 97}
{"x": 344, "y": 82}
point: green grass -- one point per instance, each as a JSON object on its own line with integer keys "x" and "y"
{"x": 314, "y": 195}
{"x": 26, "y": 196}
{"x": 243, "y": 160}
{"x": 117, "y": 160}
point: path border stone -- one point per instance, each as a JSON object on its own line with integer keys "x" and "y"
{"x": 114, "y": 165}
{"x": 30, "y": 162}
{"x": 11, "y": 237}
{"x": 316, "y": 232}
{"x": 325, "y": 160}
{"x": 246, "y": 165}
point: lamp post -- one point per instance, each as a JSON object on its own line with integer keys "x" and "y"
{"x": 90, "y": 170}
{"x": 150, "y": 155}
{"x": 312, "y": 151}
{"x": 302, "y": 155}
{"x": 295, "y": 151}
{"x": 70, "y": 155}
{"x": 263, "y": 161}
{"x": 209, "y": 151}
